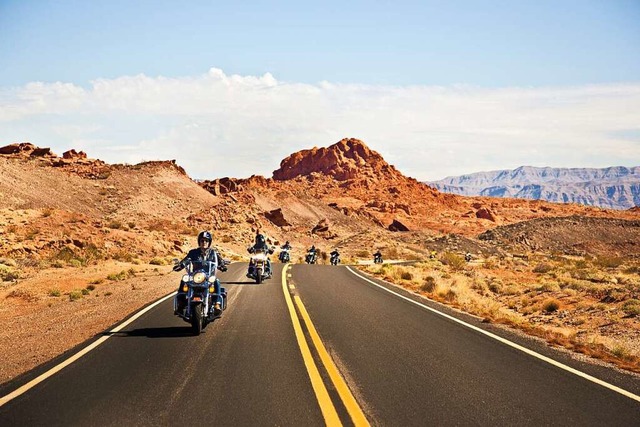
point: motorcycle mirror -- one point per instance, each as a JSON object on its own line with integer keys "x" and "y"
{"x": 175, "y": 261}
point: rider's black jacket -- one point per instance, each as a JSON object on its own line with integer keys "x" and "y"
{"x": 198, "y": 259}
{"x": 336, "y": 253}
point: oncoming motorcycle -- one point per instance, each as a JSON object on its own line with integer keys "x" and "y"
{"x": 335, "y": 258}
{"x": 311, "y": 257}
{"x": 259, "y": 265}
{"x": 205, "y": 299}
{"x": 284, "y": 256}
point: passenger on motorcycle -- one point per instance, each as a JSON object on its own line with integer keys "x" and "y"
{"x": 260, "y": 245}
{"x": 198, "y": 256}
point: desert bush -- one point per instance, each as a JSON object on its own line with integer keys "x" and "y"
{"x": 406, "y": 275}
{"x": 8, "y": 274}
{"x": 608, "y": 261}
{"x": 75, "y": 263}
{"x": 363, "y": 254}
{"x": 47, "y": 212}
{"x": 429, "y": 284}
{"x": 117, "y": 276}
{"x": 548, "y": 287}
{"x": 114, "y": 225}
{"x": 91, "y": 287}
{"x": 75, "y": 295}
{"x": 158, "y": 261}
{"x": 581, "y": 264}
{"x": 542, "y": 268}
{"x": 85, "y": 291}
{"x": 551, "y": 305}
{"x": 54, "y": 292}
{"x": 123, "y": 256}
{"x": 455, "y": 261}
{"x": 631, "y": 307}
{"x": 632, "y": 270}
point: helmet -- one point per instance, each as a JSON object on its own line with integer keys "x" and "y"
{"x": 286, "y": 243}
{"x": 260, "y": 239}
{"x": 206, "y": 236}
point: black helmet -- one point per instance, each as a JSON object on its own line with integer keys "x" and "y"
{"x": 260, "y": 238}
{"x": 286, "y": 243}
{"x": 206, "y": 236}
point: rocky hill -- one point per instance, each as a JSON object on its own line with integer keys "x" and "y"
{"x": 613, "y": 188}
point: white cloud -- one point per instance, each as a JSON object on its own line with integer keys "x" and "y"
{"x": 217, "y": 125}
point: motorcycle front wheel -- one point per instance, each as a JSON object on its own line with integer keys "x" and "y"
{"x": 196, "y": 319}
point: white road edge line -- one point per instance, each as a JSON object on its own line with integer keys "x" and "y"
{"x": 510, "y": 343}
{"x": 17, "y": 392}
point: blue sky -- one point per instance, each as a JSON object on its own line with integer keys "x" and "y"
{"x": 437, "y": 87}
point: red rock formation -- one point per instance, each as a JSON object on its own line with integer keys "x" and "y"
{"x": 347, "y": 159}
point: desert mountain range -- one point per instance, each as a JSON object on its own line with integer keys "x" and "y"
{"x": 344, "y": 195}
{"x": 614, "y": 187}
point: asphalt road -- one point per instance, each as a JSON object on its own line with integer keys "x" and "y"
{"x": 404, "y": 364}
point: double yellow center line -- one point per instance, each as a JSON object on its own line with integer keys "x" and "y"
{"x": 327, "y": 407}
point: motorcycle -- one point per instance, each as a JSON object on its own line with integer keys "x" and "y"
{"x": 202, "y": 304}
{"x": 284, "y": 256}
{"x": 311, "y": 257}
{"x": 259, "y": 269}
{"x": 335, "y": 259}
{"x": 377, "y": 258}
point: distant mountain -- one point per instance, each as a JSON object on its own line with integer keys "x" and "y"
{"x": 615, "y": 187}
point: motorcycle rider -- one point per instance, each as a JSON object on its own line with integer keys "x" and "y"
{"x": 377, "y": 255}
{"x": 260, "y": 245}
{"x": 335, "y": 254}
{"x": 199, "y": 256}
{"x": 285, "y": 247}
{"x": 312, "y": 252}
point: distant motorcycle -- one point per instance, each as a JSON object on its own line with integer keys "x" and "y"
{"x": 203, "y": 303}
{"x": 311, "y": 257}
{"x": 335, "y": 259}
{"x": 377, "y": 258}
{"x": 284, "y": 256}
{"x": 259, "y": 265}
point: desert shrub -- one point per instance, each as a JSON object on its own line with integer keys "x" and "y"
{"x": 392, "y": 253}
{"x": 123, "y": 255}
{"x": 131, "y": 272}
{"x": 632, "y": 270}
{"x": 54, "y": 292}
{"x": 117, "y": 276}
{"x": 91, "y": 287}
{"x": 96, "y": 281}
{"x": 548, "y": 287}
{"x": 8, "y": 274}
{"x": 158, "y": 261}
{"x": 363, "y": 254}
{"x": 429, "y": 284}
{"x": 75, "y": 263}
{"x": 581, "y": 264}
{"x": 47, "y": 212}
{"x": 91, "y": 253}
{"x": 608, "y": 261}
{"x": 453, "y": 260}
{"x": 114, "y": 225}
{"x": 85, "y": 291}
{"x": 542, "y": 268}
{"x": 75, "y": 295}
{"x": 551, "y": 305}
{"x": 226, "y": 238}
{"x": 631, "y": 307}
{"x": 406, "y": 275}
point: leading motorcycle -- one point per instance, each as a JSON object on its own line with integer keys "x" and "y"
{"x": 311, "y": 257}
{"x": 203, "y": 302}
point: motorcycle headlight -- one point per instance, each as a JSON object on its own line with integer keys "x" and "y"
{"x": 212, "y": 279}
{"x": 199, "y": 277}
{"x": 186, "y": 278}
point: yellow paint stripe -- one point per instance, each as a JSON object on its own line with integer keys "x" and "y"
{"x": 357, "y": 416}
{"x": 326, "y": 405}
{"x": 17, "y": 392}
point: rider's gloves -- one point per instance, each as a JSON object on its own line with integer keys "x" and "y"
{"x": 222, "y": 268}
{"x": 178, "y": 267}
